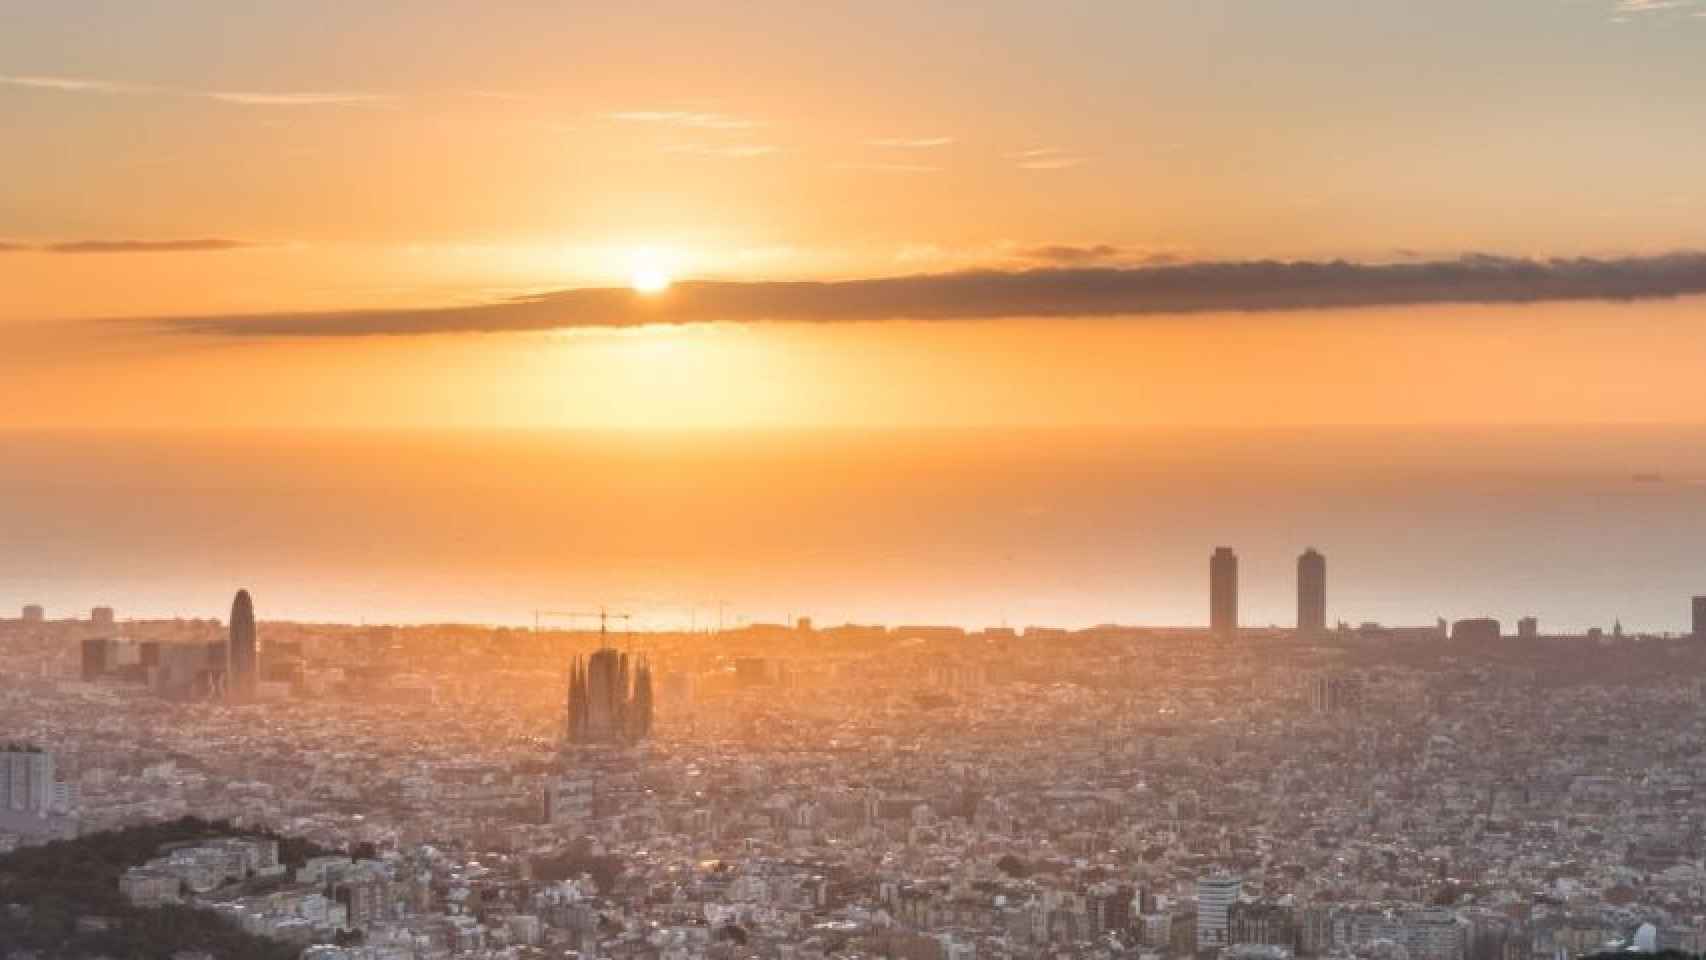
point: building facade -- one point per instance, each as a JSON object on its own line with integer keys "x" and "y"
{"x": 1215, "y": 897}
{"x": 1311, "y": 593}
{"x": 26, "y": 780}
{"x": 1223, "y": 593}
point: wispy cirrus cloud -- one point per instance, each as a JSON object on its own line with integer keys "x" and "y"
{"x": 200, "y": 245}
{"x": 732, "y": 151}
{"x": 74, "y": 84}
{"x": 250, "y": 98}
{"x": 910, "y": 143}
{"x": 1653, "y": 6}
{"x": 1047, "y": 158}
{"x": 1188, "y": 288}
{"x": 879, "y": 167}
{"x": 254, "y": 98}
{"x": 1628, "y": 11}
{"x": 687, "y": 118}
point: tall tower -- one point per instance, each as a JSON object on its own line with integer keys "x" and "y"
{"x": 1700, "y": 618}
{"x": 1223, "y": 593}
{"x": 241, "y": 650}
{"x": 1311, "y": 593}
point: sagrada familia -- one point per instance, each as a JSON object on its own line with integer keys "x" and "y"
{"x": 610, "y": 699}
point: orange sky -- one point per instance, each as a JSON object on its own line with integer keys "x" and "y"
{"x": 1440, "y": 365}
{"x": 365, "y": 156}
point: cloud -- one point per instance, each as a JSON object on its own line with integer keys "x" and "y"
{"x": 684, "y": 118}
{"x": 300, "y": 99}
{"x": 1625, "y": 11}
{"x": 243, "y": 98}
{"x": 1052, "y": 163}
{"x": 73, "y": 84}
{"x": 1047, "y": 158}
{"x": 903, "y": 143}
{"x": 736, "y": 151}
{"x": 131, "y": 246}
{"x": 890, "y": 167}
{"x": 1247, "y": 286}
{"x": 1068, "y": 255}
{"x": 1652, "y": 6}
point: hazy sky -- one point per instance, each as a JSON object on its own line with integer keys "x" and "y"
{"x": 175, "y": 159}
{"x": 973, "y": 527}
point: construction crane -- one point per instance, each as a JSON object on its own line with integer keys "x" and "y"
{"x": 604, "y": 616}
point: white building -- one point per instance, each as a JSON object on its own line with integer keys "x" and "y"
{"x": 26, "y": 780}
{"x": 1215, "y": 897}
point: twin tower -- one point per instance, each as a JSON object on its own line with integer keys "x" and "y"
{"x": 1223, "y": 593}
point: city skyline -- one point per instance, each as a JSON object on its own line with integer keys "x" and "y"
{"x": 603, "y": 687}
{"x": 682, "y": 480}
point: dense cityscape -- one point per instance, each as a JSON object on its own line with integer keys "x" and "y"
{"x": 1449, "y": 791}
{"x": 692, "y": 480}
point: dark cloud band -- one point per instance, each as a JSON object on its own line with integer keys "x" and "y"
{"x": 1060, "y": 292}
{"x": 145, "y": 246}
{"x": 128, "y": 246}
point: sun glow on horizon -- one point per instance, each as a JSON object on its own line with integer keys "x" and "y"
{"x": 649, "y": 280}
{"x": 650, "y": 271}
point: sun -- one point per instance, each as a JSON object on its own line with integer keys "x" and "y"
{"x": 649, "y": 279}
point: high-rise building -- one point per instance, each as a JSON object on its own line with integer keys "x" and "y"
{"x": 1700, "y": 618}
{"x": 1311, "y": 593}
{"x": 96, "y": 656}
{"x": 187, "y": 671}
{"x": 241, "y": 652}
{"x": 610, "y": 699}
{"x": 1528, "y": 628}
{"x": 1215, "y": 897}
{"x": 26, "y": 780}
{"x": 1223, "y": 593}
{"x": 1263, "y": 923}
{"x": 33, "y": 613}
{"x": 101, "y": 616}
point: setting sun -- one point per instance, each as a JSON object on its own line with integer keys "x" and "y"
{"x": 649, "y": 279}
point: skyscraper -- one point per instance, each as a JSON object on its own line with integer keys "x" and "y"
{"x": 1311, "y": 593}
{"x": 241, "y": 658}
{"x": 1223, "y": 593}
{"x": 610, "y": 699}
{"x": 1700, "y": 618}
